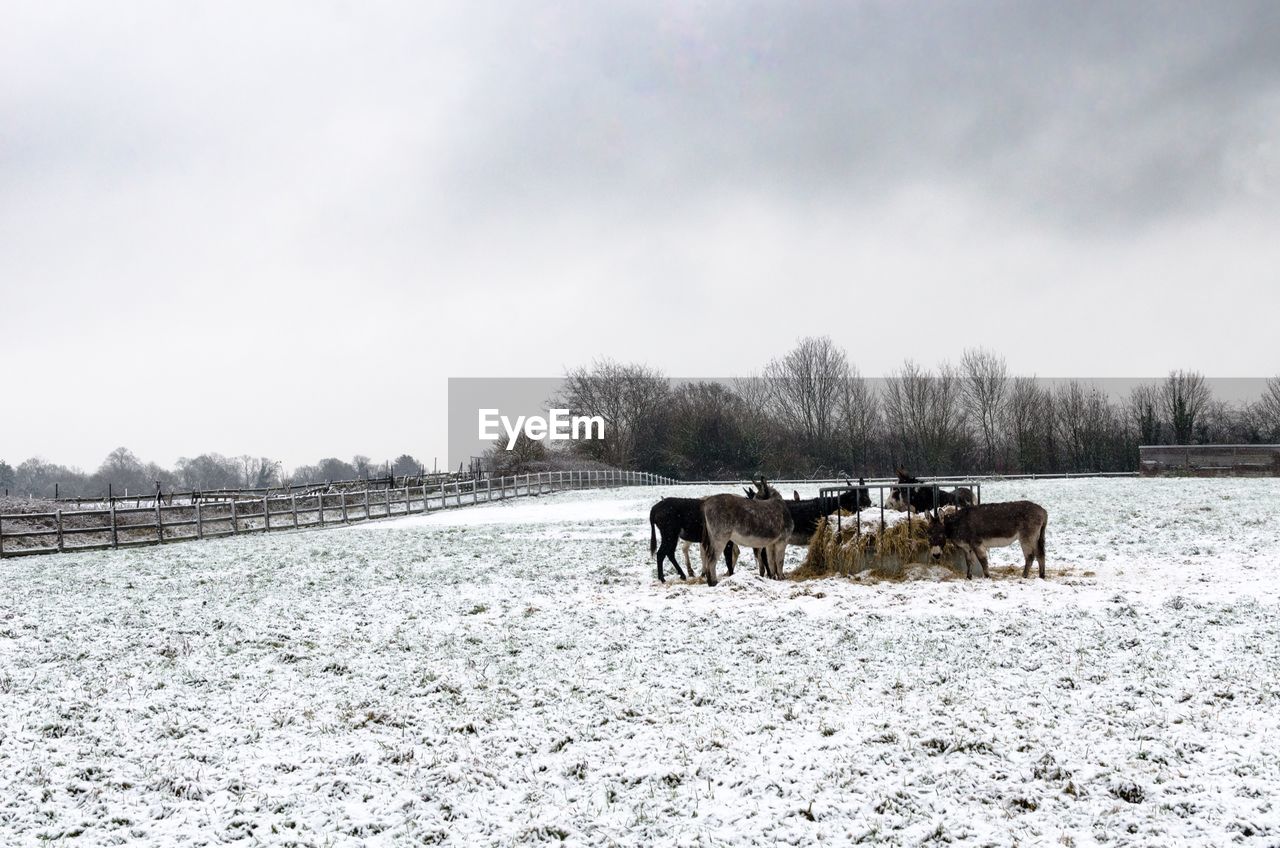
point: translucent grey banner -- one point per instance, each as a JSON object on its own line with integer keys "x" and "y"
{"x": 507, "y": 404}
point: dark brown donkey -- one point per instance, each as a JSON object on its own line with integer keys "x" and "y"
{"x": 992, "y": 525}
{"x": 764, "y": 523}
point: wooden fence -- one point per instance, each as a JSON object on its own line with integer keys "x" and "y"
{"x": 125, "y": 527}
{"x": 148, "y": 498}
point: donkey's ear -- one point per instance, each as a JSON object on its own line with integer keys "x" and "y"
{"x": 862, "y": 481}
{"x": 795, "y": 496}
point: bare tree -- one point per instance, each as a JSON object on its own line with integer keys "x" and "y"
{"x": 258, "y": 472}
{"x": 626, "y": 396}
{"x": 1184, "y": 395}
{"x": 1269, "y": 409}
{"x": 712, "y": 433}
{"x": 984, "y": 391}
{"x": 1028, "y": 422}
{"x": 922, "y": 415}
{"x": 905, "y": 402}
{"x": 405, "y": 465}
{"x": 523, "y": 456}
{"x": 804, "y": 387}
{"x": 1090, "y": 432}
{"x": 859, "y": 422}
{"x": 1142, "y": 409}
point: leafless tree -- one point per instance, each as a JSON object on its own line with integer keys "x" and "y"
{"x": 1142, "y": 410}
{"x": 628, "y": 398}
{"x": 1028, "y": 423}
{"x": 258, "y": 472}
{"x": 1269, "y": 408}
{"x": 803, "y": 389}
{"x": 984, "y": 391}
{"x": 922, "y": 415}
{"x": 523, "y": 456}
{"x": 1184, "y": 395}
{"x": 858, "y": 422}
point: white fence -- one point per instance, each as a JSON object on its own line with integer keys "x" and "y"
{"x": 115, "y": 527}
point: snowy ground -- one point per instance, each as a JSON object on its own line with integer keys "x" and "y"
{"x": 514, "y": 673}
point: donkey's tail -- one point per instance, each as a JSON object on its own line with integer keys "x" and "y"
{"x": 1040, "y": 543}
{"x": 653, "y": 536}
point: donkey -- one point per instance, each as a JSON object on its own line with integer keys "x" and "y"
{"x": 921, "y": 498}
{"x": 763, "y": 523}
{"x": 805, "y": 514}
{"x": 679, "y": 520}
{"x": 976, "y": 528}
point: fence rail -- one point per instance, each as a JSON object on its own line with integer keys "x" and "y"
{"x": 123, "y": 527}
{"x": 359, "y": 484}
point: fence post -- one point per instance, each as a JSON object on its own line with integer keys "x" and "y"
{"x": 444, "y": 499}
{"x": 366, "y": 502}
{"x": 159, "y": 521}
{"x": 488, "y": 489}
{"x": 60, "y": 545}
{"x": 1, "y": 537}
{"x": 345, "y": 518}
{"x": 320, "y": 507}
{"x": 115, "y": 539}
{"x": 199, "y": 522}
{"x": 266, "y": 513}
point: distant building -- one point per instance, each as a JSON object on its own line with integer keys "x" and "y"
{"x": 1209, "y": 460}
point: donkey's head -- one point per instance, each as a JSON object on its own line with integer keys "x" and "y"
{"x": 937, "y": 536}
{"x": 858, "y": 498}
{"x": 765, "y": 492}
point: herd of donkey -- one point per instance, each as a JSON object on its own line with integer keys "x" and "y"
{"x": 767, "y": 523}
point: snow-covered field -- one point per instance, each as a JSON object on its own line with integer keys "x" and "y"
{"x": 514, "y": 673}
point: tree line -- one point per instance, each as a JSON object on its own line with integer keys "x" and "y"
{"x": 812, "y": 413}
{"x": 124, "y": 472}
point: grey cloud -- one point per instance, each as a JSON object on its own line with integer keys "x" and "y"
{"x": 1082, "y": 114}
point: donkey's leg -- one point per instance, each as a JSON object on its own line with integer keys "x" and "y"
{"x": 1028, "y": 554}
{"x": 982, "y": 559}
{"x": 778, "y": 558}
{"x": 710, "y": 555}
{"x": 684, "y": 549}
{"x": 667, "y": 550}
{"x": 676, "y": 566}
{"x": 969, "y": 559}
{"x": 1040, "y": 550}
{"x": 731, "y": 556}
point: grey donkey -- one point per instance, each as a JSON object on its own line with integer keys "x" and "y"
{"x": 974, "y": 529}
{"x": 763, "y": 523}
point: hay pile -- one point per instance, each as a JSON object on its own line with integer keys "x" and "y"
{"x": 858, "y": 548}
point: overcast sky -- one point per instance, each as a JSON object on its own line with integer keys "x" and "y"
{"x": 279, "y": 228}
